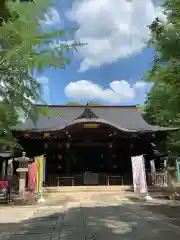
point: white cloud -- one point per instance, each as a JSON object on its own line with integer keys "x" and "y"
{"x": 118, "y": 91}
{"x": 45, "y": 95}
{"x": 51, "y": 17}
{"x": 140, "y": 84}
{"x": 113, "y": 29}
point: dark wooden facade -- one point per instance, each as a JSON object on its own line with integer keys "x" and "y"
{"x": 88, "y": 143}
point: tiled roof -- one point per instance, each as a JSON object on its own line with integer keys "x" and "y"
{"x": 125, "y": 118}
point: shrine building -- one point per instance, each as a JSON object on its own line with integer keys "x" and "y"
{"x": 94, "y": 140}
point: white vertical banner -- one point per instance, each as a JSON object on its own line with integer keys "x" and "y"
{"x": 139, "y": 174}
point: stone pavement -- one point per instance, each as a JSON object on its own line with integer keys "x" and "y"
{"x": 11, "y": 217}
{"x": 86, "y": 216}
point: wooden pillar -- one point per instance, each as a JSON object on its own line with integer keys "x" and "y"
{"x": 67, "y": 159}
{"x": 67, "y": 163}
{"x": 109, "y": 158}
{"x": 10, "y": 169}
{"x": 3, "y": 172}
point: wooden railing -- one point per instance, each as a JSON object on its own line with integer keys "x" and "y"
{"x": 159, "y": 179}
{"x": 77, "y": 180}
{"x": 115, "y": 180}
{"x": 59, "y": 179}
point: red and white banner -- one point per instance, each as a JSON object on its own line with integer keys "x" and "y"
{"x": 32, "y": 181}
{"x": 139, "y": 175}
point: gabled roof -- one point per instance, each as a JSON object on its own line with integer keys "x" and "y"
{"x": 124, "y": 118}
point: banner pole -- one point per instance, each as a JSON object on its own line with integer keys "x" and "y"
{"x": 41, "y": 199}
{"x": 41, "y": 175}
{"x": 147, "y": 197}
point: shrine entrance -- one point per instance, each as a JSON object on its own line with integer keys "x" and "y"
{"x": 97, "y": 152}
{"x": 88, "y": 158}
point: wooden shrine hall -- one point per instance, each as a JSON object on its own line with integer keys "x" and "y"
{"x": 88, "y": 145}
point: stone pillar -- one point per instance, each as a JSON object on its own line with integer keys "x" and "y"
{"x": 22, "y": 183}
{"x": 22, "y": 178}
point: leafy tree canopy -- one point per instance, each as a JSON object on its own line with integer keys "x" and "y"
{"x": 162, "y": 105}
{"x": 25, "y": 48}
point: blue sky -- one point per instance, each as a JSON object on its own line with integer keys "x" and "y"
{"x": 110, "y": 67}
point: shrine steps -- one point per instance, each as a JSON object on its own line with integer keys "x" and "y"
{"x": 87, "y": 189}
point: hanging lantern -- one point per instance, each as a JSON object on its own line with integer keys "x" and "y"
{"x": 46, "y": 134}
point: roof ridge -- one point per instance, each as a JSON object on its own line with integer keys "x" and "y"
{"x": 96, "y": 106}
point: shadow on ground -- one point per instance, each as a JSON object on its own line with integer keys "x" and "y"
{"x": 86, "y": 222}
{"x": 160, "y": 205}
{"x": 168, "y": 210}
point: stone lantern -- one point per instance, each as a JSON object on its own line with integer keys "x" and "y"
{"x": 23, "y": 169}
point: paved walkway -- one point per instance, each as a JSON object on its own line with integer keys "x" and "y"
{"x": 86, "y": 216}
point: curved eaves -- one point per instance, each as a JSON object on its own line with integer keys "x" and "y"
{"x": 151, "y": 129}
